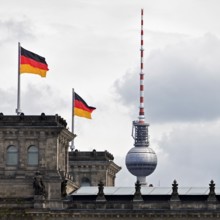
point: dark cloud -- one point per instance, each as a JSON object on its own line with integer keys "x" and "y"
{"x": 181, "y": 82}
{"x": 190, "y": 155}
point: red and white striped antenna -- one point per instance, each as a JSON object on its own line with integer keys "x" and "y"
{"x": 141, "y": 111}
{"x": 141, "y": 160}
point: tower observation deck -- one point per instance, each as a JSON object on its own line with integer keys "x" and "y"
{"x": 141, "y": 160}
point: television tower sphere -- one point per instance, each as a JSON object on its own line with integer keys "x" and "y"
{"x": 141, "y": 160}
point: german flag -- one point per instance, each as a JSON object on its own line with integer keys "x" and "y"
{"x": 81, "y": 108}
{"x": 32, "y": 63}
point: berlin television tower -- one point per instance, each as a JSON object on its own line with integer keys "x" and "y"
{"x": 141, "y": 160}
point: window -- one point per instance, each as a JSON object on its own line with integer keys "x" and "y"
{"x": 12, "y": 155}
{"x": 32, "y": 155}
{"x": 85, "y": 181}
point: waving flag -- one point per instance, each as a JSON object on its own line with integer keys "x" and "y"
{"x": 81, "y": 108}
{"x": 32, "y": 63}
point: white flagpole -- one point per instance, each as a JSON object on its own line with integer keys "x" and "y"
{"x": 18, "y": 110}
{"x": 72, "y": 112}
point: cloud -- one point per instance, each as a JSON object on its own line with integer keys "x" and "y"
{"x": 190, "y": 155}
{"x": 181, "y": 82}
{"x": 15, "y": 30}
{"x": 37, "y": 99}
{"x": 7, "y": 99}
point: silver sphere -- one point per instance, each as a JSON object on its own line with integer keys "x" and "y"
{"x": 141, "y": 161}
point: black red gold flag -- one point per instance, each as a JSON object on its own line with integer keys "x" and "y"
{"x": 32, "y": 63}
{"x": 81, "y": 108}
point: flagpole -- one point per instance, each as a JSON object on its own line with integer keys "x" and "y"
{"x": 18, "y": 110}
{"x": 72, "y": 112}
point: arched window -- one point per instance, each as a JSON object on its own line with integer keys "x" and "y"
{"x": 32, "y": 155}
{"x": 12, "y": 155}
{"x": 85, "y": 181}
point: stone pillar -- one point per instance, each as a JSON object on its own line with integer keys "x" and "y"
{"x": 211, "y": 200}
{"x": 39, "y": 202}
{"x": 100, "y": 199}
{"x": 54, "y": 191}
{"x": 137, "y": 199}
{"x": 175, "y": 202}
{"x": 101, "y": 195}
{"x": 137, "y": 195}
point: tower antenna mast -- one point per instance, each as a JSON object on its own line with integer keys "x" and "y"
{"x": 141, "y": 111}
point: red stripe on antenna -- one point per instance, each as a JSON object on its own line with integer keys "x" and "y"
{"x": 141, "y": 110}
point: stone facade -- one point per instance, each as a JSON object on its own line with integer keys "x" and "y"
{"x": 31, "y": 144}
{"x": 115, "y": 203}
{"x": 39, "y": 180}
{"x": 89, "y": 168}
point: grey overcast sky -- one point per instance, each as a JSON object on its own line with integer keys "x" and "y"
{"x": 93, "y": 46}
